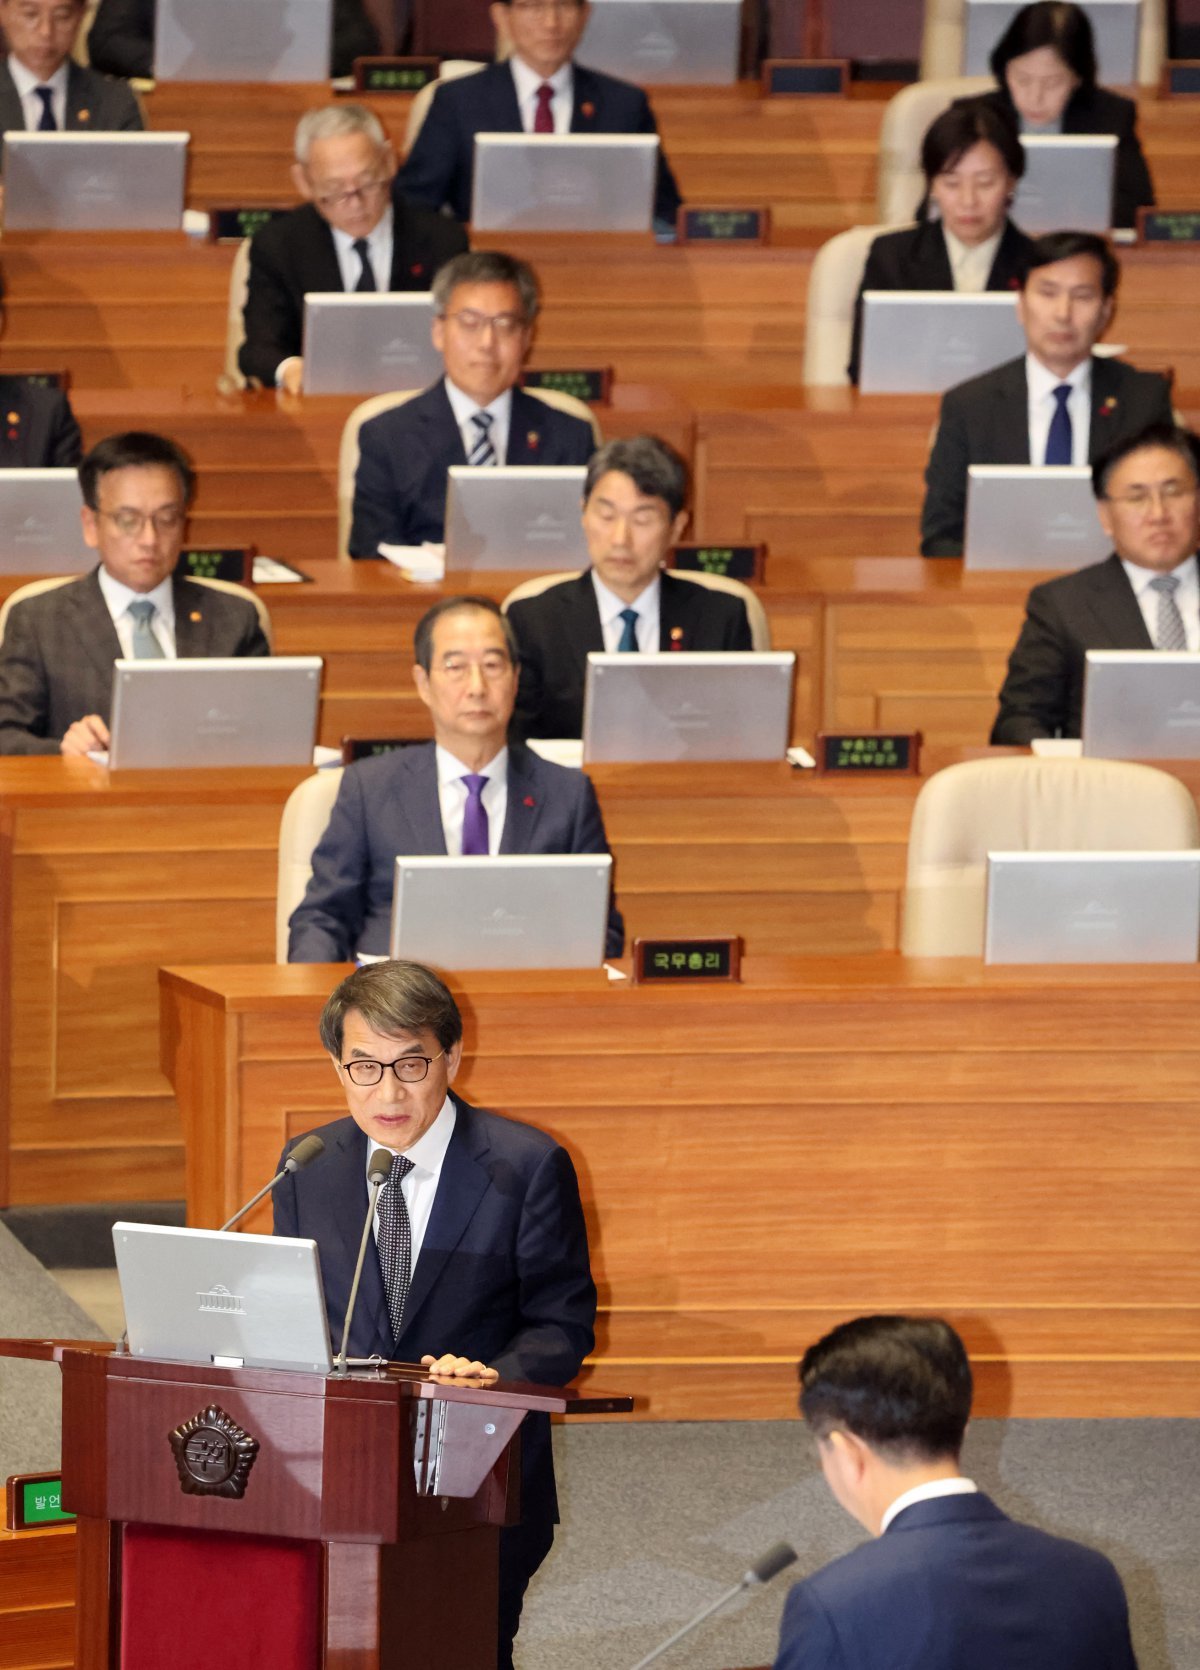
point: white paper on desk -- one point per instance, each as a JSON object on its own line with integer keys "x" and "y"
{"x": 268, "y": 572}
{"x": 801, "y": 757}
{"x": 1057, "y": 747}
{"x": 98, "y": 756}
{"x": 323, "y": 756}
{"x": 559, "y": 750}
{"x": 417, "y": 562}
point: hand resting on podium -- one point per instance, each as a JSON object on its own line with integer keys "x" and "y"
{"x": 450, "y": 1367}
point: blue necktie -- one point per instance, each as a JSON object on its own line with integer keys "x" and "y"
{"x": 629, "y": 634}
{"x": 47, "y": 123}
{"x": 1058, "y": 441}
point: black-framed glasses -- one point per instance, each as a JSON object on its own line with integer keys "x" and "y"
{"x": 409, "y": 1069}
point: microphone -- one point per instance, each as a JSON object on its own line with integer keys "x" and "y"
{"x": 766, "y": 1567}
{"x": 305, "y": 1151}
{"x": 378, "y": 1172}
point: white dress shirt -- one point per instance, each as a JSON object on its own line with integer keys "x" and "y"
{"x": 1187, "y": 597}
{"x": 464, "y": 409}
{"x": 1041, "y": 383}
{"x": 379, "y": 249}
{"x": 928, "y": 1493}
{"x": 610, "y": 606}
{"x": 971, "y": 265}
{"x": 528, "y": 81}
{"x": 118, "y": 597}
{"x": 25, "y": 81}
{"x": 452, "y": 798}
{"x": 420, "y": 1186}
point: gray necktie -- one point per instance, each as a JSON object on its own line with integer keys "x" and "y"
{"x": 1169, "y": 633}
{"x": 394, "y": 1242}
{"x": 146, "y": 646}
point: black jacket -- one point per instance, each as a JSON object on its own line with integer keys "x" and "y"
{"x": 38, "y": 430}
{"x": 121, "y": 40}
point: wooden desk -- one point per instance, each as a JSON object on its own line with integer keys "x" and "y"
{"x": 1011, "y": 1147}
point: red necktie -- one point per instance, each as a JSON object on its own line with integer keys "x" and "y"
{"x": 543, "y": 122}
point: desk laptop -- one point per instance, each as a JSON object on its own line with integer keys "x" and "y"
{"x": 368, "y": 344}
{"x": 1141, "y": 704}
{"x": 40, "y": 530}
{"x": 210, "y": 1296}
{"x": 574, "y": 182}
{"x": 242, "y": 40}
{"x": 515, "y": 516}
{"x": 94, "y": 182}
{"x": 1092, "y": 907}
{"x": 511, "y": 911}
{"x": 1068, "y": 181}
{"x": 1114, "y": 26}
{"x": 703, "y": 705}
{"x": 1032, "y": 516}
{"x": 214, "y": 711}
{"x": 666, "y": 42}
{"x": 926, "y": 341}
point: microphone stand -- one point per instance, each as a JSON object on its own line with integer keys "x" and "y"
{"x": 772, "y": 1562}
{"x": 376, "y": 1178}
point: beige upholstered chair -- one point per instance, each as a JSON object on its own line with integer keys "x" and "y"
{"x": 235, "y": 326}
{"x": 450, "y": 70}
{"x": 1025, "y": 805}
{"x": 305, "y": 816}
{"x": 760, "y": 630}
{"x": 945, "y": 30}
{"x": 833, "y": 283}
{"x": 348, "y": 451}
{"x": 905, "y": 119}
{"x": 35, "y": 587}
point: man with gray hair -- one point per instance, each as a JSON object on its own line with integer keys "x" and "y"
{"x": 485, "y": 304}
{"x": 355, "y": 231}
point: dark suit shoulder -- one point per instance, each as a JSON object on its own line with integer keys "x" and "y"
{"x": 1081, "y": 582}
{"x": 391, "y": 770}
{"x": 599, "y": 84}
{"x": 49, "y": 604}
{"x": 431, "y": 403}
{"x": 518, "y": 1141}
{"x": 283, "y": 235}
{"x": 1000, "y": 380}
{"x": 528, "y": 411}
{"x": 1099, "y": 110}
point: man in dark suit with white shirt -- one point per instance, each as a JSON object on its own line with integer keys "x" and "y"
{"x": 42, "y": 87}
{"x": 948, "y": 1582}
{"x": 1060, "y": 404}
{"x": 467, "y": 792}
{"x": 1145, "y": 596}
{"x": 540, "y": 89}
{"x": 485, "y": 304}
{"x": 355, "y": 231}
{"x": 56, "y": 660}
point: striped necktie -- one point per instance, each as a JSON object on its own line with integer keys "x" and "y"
{"x": 1169, "y": 633}
{"x": 483, "y": 452}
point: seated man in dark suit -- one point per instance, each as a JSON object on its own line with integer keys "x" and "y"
{"x": 121, "y": 39}
{"x": 354, "y": 232}
{"x": 948, "y": 1582}
{"x": 1145, "y": 596}
{"x": 1060, "y": 404}
{"x": 634, "y": 511}
{"x": 464, "y": 792}
{"x": 479, "y": 1267}
{"x": 58, "y": 649}
{"x": 486, "y": 304}
{"x": 41, "y": 85}
{"x": 540, "y": 89}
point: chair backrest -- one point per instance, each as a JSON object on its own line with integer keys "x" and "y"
{"x": 833, "y": 282}
{"x": 235, "y": 324}
{"x": 305, "y": 817}
{"x": 35, "y": 587}
{"x": 449, "y": 70}
{"x": 945, "y": 32}
{"x": 906, "y": 117}
{"x": 1025, "y": 805}
{"x": 32, "y": 588}
{"x": 760, "y": 629}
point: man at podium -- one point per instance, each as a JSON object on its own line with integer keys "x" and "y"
{"x": 480, "y": 1260}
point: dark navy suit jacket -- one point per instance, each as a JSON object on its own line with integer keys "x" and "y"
{"x": 502, "y": 1276}
{"x": 389, "y": 805}
{"x": 954, "y": 1584}
{"x": 438, "y": 170}
{"x": 400, "y": 486}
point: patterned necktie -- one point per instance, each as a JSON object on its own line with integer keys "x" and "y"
{"x": 146, "y": 646}
{"x": 1058, "y": 441}
{"x": 483, "y": 452}
{"x": 629, "y": 633}
{"x": 1169, "y": 633}
{"x": 393, "y": 1241}
{"x": 46, "y": 123}
{"x": 543, "y": 121}
{"x": 475, "y": 818}
{"x": 366, "y": 278}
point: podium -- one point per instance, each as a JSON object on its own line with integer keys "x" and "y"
{"x": 252, "y": 1519}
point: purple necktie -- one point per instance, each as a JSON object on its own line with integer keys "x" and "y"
{"x": 475, "y": 818}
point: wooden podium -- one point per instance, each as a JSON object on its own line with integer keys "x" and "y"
{"x": 252, "y": 1519}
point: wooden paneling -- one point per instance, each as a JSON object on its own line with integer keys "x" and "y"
{"x": 37, "y": 1598}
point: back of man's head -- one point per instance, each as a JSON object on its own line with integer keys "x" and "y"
{"x": 1053, "y": 247}
{"x": 135, "y": 449}
{"x": 902, "y": 1384}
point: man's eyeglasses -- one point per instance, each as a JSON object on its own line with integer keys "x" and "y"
{"x": 131, "y": 522}
{"x": 352, "y": 194}
{"x": 471, "y": 323}
{"x": 457, "y": 667}
{"x": 1140, "y": 499}
{"x": 409, "y": 1069}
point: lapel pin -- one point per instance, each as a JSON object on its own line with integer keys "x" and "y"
{"x": 14, "y": 417}
{"x": 195, "y": 615}
{"x": 677, "y": 637}
{"x": 531, "y": 440}
{"x": 530, "y": 801}
{"x": 588, "y": 109}
{"x": 84, "y": 116}
{"x": 417, "y": 269}
{"x": 1109, "y": 406}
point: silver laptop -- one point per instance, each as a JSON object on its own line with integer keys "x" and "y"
{"x": 564, "y": 182}
{"x": 214, "y": 711}
{"x": 1141, "y": 704}
{"x": 511, "y": 911}
{"x": 665, "y": 42}
{"x": 1114, "y": 24}
{"x": 702, "y": 705}
{"x": 207, "y": 1296}
{"x": 1032, "y": 516}
{"x": 1092, "y": 907}
{"x": 1068, "y": 181}
{"x": 368, "y": 344}
{"x": 926, "y": 341}
{"x": 242, "y": 40}
{"x": 89, "y": 182}
{"x": 515, "y": 516}
{"x": 40, "y": 530}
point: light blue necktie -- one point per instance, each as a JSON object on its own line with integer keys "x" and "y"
{"x": 1059, "y": 440}
{"x": 146, "y": 646}
{"x": 629, "y": 635}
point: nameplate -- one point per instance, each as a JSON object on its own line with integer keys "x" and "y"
{"x": 394, "y": 75}
{"x": 892, "y": 752}
{"x": 718, "y": 957}
{"x": 593, "y": 385}
{"x": 367, "y": 747}
{"x": 33, "y": 1499}
{"x": 735, "y": 562}
{"x": 218, "y": 562}
{"x": 232, "y": 225}
{"x": 38, "y": 378}
{"x": 723, "y": 226}
{"x": 1178, "y": 227}
{"x": 805, "y": 77}
{"x": 1181, "y": 79}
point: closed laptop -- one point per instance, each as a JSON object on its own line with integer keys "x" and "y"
{"x": 214, "y": 711}
{"x": 702, "y": 705}
{"x": 40, "y": 530}
{"x": 1115, "y": 25}
{"x": 666, "y": 42}
{"x": 564, "y": 182}
{"x": 1093, "y": 907}
{"x": 1068, "y": 181}
{"x": 515, "y": 516}
{"x": 242, "y": 40}
{"x": 94, "y": 182}
{"x": 1141, "y": 704}
{"x": 368, "y": 344}
{"x": 926, "y": 341}
{"x": 1027, "y": 516}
